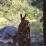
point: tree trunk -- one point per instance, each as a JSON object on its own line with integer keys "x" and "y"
{"x": 44, "y": 21}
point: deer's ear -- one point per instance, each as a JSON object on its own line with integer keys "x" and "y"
{"x": 21, "y": 16}
{"x": 25, "y": 16}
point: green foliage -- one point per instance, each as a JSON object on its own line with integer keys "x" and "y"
{"x": 37, "y": 3}
{"x": 11, "y": 9}
{"x": 41, "y": 20}
{"x": 36, "y": 28}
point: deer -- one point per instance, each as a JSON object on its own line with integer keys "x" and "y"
{"x": 24, "y": 28}
{"x": 23, "y": 35}
{"x": 16, "y": 38}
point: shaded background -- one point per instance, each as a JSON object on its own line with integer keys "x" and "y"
{"x": 10, "y": 15}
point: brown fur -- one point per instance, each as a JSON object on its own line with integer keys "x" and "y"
{"x": 24, "y": 28}
{"x": 23, "y": 33}
{"x": 16, "y": 38}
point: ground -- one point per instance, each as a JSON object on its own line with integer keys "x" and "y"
{"x": 4, "y": 42}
